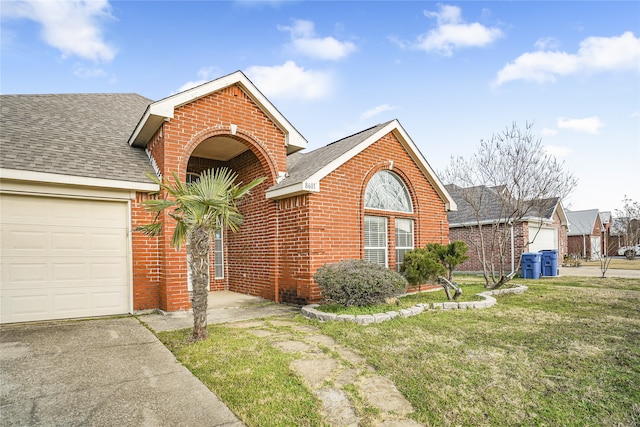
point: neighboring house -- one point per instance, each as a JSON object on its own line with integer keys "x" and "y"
{"x": 608, "y": 244}
{"x": 585, "y": 234}
{"x": 544, "y": 228}
{"x": 72, "y": 186}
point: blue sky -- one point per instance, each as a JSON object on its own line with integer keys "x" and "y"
{"x": 453, "y": 73}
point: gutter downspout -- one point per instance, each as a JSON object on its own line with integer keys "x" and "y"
{"x": 276, "y": 263}
{"x": 513, "y": 255}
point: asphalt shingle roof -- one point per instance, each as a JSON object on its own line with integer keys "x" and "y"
{"x": 491, "y": 205}
{"x": 301, "y": 166}
{"x": 581, "y": 223}
{"x": 73, "y": 134}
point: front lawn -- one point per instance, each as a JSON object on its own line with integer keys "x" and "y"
{"x": 566, "y": 352}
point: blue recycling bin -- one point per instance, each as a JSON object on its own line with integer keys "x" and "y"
{"x": 549, "y": 262}
{"x": 531, "y": 265}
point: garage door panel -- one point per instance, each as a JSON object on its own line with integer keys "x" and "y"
{"x": 546, "y": 238}
{"x": 25, "y": 240}
{"x": 19, "y": 275}
{"x": 62, "y": 258}
{"x": 25, "y": 306}
{"x": 104, "y": 243}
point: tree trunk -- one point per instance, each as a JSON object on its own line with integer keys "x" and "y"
{"x": 199, "y": 250}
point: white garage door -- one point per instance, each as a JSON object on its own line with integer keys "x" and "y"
{"x": 547, "y": 238}
{"x": 62, "y": 258}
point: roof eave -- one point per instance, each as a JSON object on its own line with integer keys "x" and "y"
{"x": 395, "y": 127}
{"x": 297, "y": 189}
{"x": 164, "y": 109}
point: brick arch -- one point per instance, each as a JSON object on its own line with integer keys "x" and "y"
{"x": 387, "y": 165}
{"x": 265, "y": 159}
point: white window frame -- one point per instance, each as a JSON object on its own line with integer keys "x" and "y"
{"x": 218, "y": 255}
{"x": 385, "y": 248}
{"x": 391, "y": 185}
{"x": 399, "y": 247}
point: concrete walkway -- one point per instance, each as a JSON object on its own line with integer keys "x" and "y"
{"x": 328, "y": 374}
{"x": 596, "y": 272}
{"x": 99, "y": 372}
{"x": 224, "y": 306}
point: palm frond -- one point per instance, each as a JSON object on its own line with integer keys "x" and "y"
{"x": 152, "y": 230}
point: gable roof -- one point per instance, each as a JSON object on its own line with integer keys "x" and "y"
{"x": 491, "y": 206}
{"x": 157, "y": 112}
{"x": 58, "y": 137}
{"x": 581, "y": 223}
{"x": 305, "y": 170}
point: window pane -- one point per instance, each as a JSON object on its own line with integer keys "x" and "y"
{"x": 404, "y": 239}
{"x": 218, "y": 254}
{"x": 375, "y": 239}
{"x": 387, "y": 191}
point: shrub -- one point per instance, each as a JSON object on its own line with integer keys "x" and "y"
{"x": 421, "y": 265}
{"x": 358, "y": 282}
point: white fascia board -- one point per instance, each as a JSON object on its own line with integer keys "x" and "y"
{"x": 335, "y": 164}
{"x": 52, "y": 178}
{"x": 405, "y": 140}
{"x": 165, "y": 107}
{"x": 308, "y": 186}
{"x": 474, "y": 223}
{"x": 562, "y": 213}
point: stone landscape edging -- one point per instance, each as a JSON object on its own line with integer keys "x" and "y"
{"x": 310, "y": 312}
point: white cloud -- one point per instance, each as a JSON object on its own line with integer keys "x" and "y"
{"x": 588, "y": 124}
{"x": 375, "y": 111}
{"x": 546, "y": 43}
{"x": 453, "y": 33}
{"x": 71, "y": 26}
{"x": 594, "y": 54}
{"x": 556, "y": 150}
{"x": 305, "y": 42}
{"x": 205, "y": 74}
{"x": 549, "y": 132}
{"x": 88, "y": 72}
{"x": 288, "y": 81}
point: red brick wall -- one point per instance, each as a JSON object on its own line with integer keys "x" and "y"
{"x": 145, "y": 259}
{"x": 331, "y": 226}
{"x": 294, "y": 249}
{"x": 171, "y": 149}
{"x": 251, "y": 251}
{"x": 471, "y": 235}
{"x": 311, "y": 229}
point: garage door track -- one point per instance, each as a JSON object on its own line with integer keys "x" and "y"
{"x": 104, "y": 372}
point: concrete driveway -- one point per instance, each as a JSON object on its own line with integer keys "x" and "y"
{"x": 103, "y": 372}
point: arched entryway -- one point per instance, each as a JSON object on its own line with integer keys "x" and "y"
{"x": 243, "y": 261}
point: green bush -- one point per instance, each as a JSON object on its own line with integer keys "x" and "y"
{"x": 421, "y": 265}
{"x": 359, "y": 283}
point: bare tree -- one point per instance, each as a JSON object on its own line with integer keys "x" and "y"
{"x": 509, "y": 179}
{"x": 627, "y": 224}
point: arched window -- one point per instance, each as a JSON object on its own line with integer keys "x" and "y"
{"x": 386, "y": 191}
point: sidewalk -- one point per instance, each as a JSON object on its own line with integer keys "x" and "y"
{"x": 596, "y": 272}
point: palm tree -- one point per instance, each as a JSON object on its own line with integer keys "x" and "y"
{"x": 199, "y": 208}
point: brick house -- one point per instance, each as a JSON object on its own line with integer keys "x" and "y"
{"x": 72, "y": 186}
{"x": 545, "y": 228}
{"x": 585, "y": 234}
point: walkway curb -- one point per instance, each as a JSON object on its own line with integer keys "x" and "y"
{"x": 310, "y": 312}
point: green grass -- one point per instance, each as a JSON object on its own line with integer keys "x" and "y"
{"x": 564, "y": 353}
{"x": 248, "y": 375}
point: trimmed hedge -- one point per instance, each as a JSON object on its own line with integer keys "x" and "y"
{"x": 359, "y": 283}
